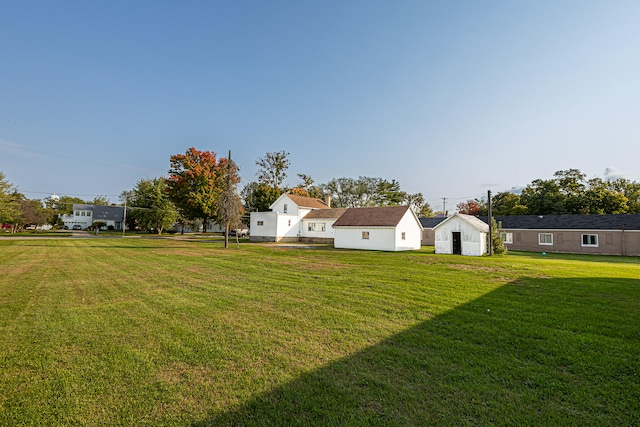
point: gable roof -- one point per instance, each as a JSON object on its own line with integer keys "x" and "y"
{"x": 380, "y": 216}
{"x": 304, "y": 202}
{"x": 569, "y": 222}
{"x": 325, "y": 213}
{"x": 474, "y": 221}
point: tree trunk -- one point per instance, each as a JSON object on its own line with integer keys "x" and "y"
{"x": 226, "y": 236}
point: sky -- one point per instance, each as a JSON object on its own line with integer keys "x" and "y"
{"x": 449, "y": 98}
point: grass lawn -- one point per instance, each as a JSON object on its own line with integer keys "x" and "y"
{"x": 142, "y": 331}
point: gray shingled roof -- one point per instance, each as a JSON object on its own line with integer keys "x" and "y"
{"x": 569, "y": 222}
{"x": 431, "y": 222}
{"x": 381, "y": 216}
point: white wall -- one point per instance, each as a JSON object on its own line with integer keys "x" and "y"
{"x": 413, "y": 233}
{"x": 473, "y": 240}
{"x": 380, "y": 238}
{"x": 328, "y": 232}
{"x": 267, "y": 230}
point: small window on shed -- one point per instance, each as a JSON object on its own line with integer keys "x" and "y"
{"x": 260, "y": 223}
{"x": 404, "y": 235}
{"x": 285, "y": 208}
{"x": 365, "y": 235}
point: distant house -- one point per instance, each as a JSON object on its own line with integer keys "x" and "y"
{"x": 586, "y": 234}
{"x": 84, "y": 215}
{"x": 284, "y": 222}
{"x": 387, "y": 228}
{"x": 461, "y": 234}
{"x": 428, "y": 233}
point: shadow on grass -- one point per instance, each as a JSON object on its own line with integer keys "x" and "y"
{"x": 533, "y": 352}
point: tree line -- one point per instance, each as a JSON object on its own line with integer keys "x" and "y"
{"x": 568, "y": 192}
{"x": 201, "y": 186}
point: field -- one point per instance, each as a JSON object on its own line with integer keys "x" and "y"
{"x": 140, "y": 331}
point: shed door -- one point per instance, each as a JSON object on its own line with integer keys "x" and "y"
{"x": 457, "y": 243}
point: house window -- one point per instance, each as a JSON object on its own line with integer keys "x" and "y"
{"x": 285, "y": 208}
{"x": 77, "y": 213}
{"x": 404, "y": 236}
{"x": 507, "y": 237}
{"x": 260, "y": 223}
{"x": 590, "y": 240}
{"x": 365, "y": 235}
{"x": 545, "y": 239}
{"x": 317, "y": 226}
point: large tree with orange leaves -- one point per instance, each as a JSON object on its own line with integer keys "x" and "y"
{"x": 196, "y": 181}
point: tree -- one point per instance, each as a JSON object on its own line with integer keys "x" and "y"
{"x": 543, "y": 197}
{"x": 602, "y": 199}
{"x": 101, "y": 201}
{"x": 497, "y": 238}
{"x": 258, "y": 197}
{"x": 353, "y": 193}
{"x": 306, "y": 183}
{"x": 150, "y": 206}
{"x": 9, "y": 208}
{"x": 196, "y": 182}
{"x": 31, "y": 211}
{"x": 272, "y": 168}
{"x": 470, "y": 207}
{"x": 229, "y": 211}
{"x": 507, "y": 203}
{"x": 417, "y": 204}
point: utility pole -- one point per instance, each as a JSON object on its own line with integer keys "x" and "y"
{"x": 490, "y": 222}
{"x": 124, "y": 216}
{"x": 444, "y": 206}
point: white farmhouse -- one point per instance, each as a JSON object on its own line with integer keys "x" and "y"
{"x": 284, "y": 222}
{"x": 386, "y": 228}
{"x": 461, "y": 235}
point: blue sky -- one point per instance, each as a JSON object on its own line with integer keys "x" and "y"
{"x": 450, "y": 98}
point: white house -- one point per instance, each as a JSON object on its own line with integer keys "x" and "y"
{"x": 461, "y": 234}
{"x": 386, "y": 228}
{"x": 84, "y": 215}
{"x": 284, "y": 221}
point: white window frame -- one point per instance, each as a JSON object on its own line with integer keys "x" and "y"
{"x": 545, "y": 243}
{"x": 317, "y": 226}
{"x": 365, "y": 235}
{"x": 589, "y": 244}
{"x": 507, "y": 237}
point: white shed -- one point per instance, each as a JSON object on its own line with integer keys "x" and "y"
{"x": 386, "y": 228}
{"x": 461, "y": 235}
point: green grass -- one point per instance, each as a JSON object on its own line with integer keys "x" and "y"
{"x": 176, "y": 332}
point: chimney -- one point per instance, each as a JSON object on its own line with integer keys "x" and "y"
{"x": 327, "y": 200}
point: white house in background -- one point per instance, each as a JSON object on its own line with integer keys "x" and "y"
{"x": 461, "y": 234}
{"x": 284, "y": 222}
{"x": 84, "y": 215}
{"x": 385, "y": 228}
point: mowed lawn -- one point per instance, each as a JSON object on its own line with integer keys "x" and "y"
{"x": 174, "y": 332}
